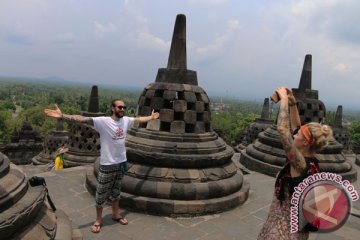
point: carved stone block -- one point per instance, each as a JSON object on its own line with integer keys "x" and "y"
{"x": 167, "y": 115}
{"x": 180, "y": 105}
{"x": 177, "y": 127}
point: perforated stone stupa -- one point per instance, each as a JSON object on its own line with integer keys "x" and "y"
{"x": 177, "y": 165}
{"x": 84, "y": 141}
{"x": 58, "y": 138}
{"x": 25, "y": 144}
{"x": 256, "y": 127}
{"x": 266, "y": 154}
{"x": 341, "y": 134}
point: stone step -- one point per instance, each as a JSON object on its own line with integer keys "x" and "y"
{"x": 12, "y": 187}
{"x": 65, "y": 229}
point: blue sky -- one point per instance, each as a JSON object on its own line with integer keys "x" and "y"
{"x": 242, "y": 49}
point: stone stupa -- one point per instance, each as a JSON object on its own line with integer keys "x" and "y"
{"x": 177, "y": 165}
{"x": 84, "y": 141}
{"x": 24, "y": 211}
{"x": 266, "y": 154}
{"x": 25, "y": 144}
{"x": 58, "y": 138}
{"x": 256, "y": 127}
{"x": 341, "y": 134}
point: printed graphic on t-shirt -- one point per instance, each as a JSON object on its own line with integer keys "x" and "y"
{"x": 119, "y": 134}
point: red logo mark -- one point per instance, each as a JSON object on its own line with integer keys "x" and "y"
{"x": 119, "y": 133}
{"x": 325, "y": 206}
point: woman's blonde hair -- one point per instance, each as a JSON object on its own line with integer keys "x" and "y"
{"x": 321, "y": 135}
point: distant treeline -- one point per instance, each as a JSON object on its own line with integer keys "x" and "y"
{"x": 22, "y": 99}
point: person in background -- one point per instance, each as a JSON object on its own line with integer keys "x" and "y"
{"x": 112, "y": 168}
{"x": 300, "y": 144}
{"x": 59, "y": 158}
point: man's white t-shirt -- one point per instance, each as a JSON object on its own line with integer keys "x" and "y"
{"x": 112, "y": 138}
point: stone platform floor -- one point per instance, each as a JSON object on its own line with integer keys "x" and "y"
{"x": 68, "y": 191}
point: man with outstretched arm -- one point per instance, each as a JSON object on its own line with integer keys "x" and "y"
{"x": 112, "y": 132}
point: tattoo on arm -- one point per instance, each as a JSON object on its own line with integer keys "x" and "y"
{"x": 296, "y": 159}
{"x": 78, "y": 119}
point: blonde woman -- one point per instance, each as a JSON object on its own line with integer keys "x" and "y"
{"x": 300, "y": 145}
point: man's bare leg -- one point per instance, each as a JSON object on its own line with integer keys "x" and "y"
{"x": 97, "y": 224}
{"x": 115, "y": 213}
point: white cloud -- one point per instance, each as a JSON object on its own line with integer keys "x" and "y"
{"x": 207, "y": 2}
{"x": 135, "y": 12}
{"x": 342, "y": 68}
{"x": 150, "y": 42}
{"x": 308, "y": 7}
{"x": 219, "y": 43}
{"x": 101, "y": 29}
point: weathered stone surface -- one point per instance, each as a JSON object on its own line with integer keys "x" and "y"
{"x": 180, "y": 105}
{"x": 166, "y": 115}
{"x": 153, "y": 125}
{"x": 177, "y": 127}
{"x": 169, "y": 95}
{"x": 190, "y": 116}
{"x": 190, "y": 97}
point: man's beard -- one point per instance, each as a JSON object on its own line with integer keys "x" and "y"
{"x": 119, "y": 114}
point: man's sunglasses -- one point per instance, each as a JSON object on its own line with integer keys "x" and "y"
{"x": 121, "y": 107}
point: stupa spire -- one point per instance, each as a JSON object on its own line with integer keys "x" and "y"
{"x": 338, "y": 116}
{"x": 177, "y": 56}
{"x": 265, "y": 113}
{"x": 305, "y": 79}
{"x": 94, "y": 100}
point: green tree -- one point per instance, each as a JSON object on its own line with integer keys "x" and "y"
{"x": 7, "y": 105}
{"x": 5, "y": 127}
{"x": 354, "y": 130}
{"x": 330, "y": 118}
{"x": 232, "y": 124}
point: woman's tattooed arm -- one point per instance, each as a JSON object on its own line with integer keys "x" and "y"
{"x": 295, "y": 157}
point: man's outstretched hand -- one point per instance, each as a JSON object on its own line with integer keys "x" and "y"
{"x": 53, "y": 113}
{"x": 154, "y": 115}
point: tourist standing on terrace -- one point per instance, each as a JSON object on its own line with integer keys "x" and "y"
{"x": 112, "y": 168}
{"x": 300, "y": 147}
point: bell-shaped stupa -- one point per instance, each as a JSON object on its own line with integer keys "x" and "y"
{"x": 25, "y": 144}
{"x": 266, "y": 154}
{"x": 177, "y": 165}
{"x": 58, "y": 138}
{"x": 256, "y": 127}
{"x": 84, "y": 141}
{"x": 341, "y": 133}
{"x": 24, "y": 212}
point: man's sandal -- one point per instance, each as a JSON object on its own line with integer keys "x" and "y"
{"x": 121, "y": 220}
{"x": 95, "y": 228}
